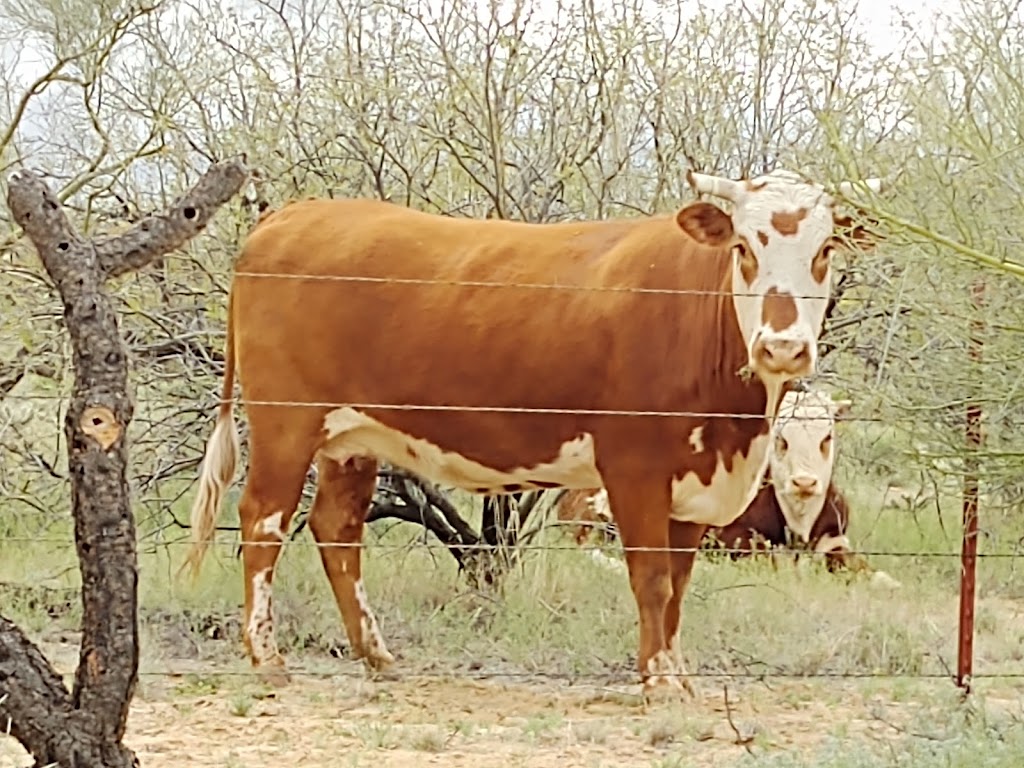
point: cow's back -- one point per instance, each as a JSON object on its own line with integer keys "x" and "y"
{"x": 379, "y": 314}
{"x": 399, "y": 332}
{"x": 373, "y": 238}
{"x": 386, "y": 288}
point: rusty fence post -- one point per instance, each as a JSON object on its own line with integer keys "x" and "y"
{"x": 969, "y": 546}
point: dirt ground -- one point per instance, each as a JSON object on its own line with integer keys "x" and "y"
{"x": 208, "y": 718}
{"x": 210, "y": 709}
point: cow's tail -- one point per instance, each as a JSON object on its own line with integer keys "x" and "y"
{"x": 219, "y": 464}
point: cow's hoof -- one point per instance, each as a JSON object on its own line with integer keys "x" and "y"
{"x": 380, "y": 671}
{"x": 666, "y": 680}
{"x": 668, "y": 690}
{"x": 274, "y": 673}
{"x": 379, "y": 659}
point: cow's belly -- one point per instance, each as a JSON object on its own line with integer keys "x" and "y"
{"x": 729, "y": 493}
{"x": 352, "y": 433}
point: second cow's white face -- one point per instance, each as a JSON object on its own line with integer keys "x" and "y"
{"x": 802, "y": 455}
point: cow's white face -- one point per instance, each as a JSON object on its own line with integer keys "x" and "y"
{"x": 784, "y": 236}
{"x": 802, "y": 455}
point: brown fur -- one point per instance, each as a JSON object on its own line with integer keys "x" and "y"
{"x": 763, "y": 526}
{"x": 392, "y": 337}
{"x": 779, "y": 310}
{"x": 788, "y": 222}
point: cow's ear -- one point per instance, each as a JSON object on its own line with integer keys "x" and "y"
{"x": 862, "y": 233}
{"x": 706, "y": 223}
{"x": 841, "y": 409}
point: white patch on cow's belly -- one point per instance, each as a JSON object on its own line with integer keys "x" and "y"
{"x": 351, "y": 433}
{"x": 729, "y": 493}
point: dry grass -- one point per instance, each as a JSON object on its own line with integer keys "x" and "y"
{"x": 562, "y": 615}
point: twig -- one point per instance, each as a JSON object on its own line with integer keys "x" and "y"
{"x": 906, "y": 731}
{"x": 741, "y": 740}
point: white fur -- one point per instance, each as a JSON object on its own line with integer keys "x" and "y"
{"x": 272, "y": 526}
{"x": 728, "y": 494}
{"x": 697, "y": 439}
{"x": 352, "y": 433}
{"x": 372, "y": 639}
{"x": 804, "y": 420}
{"x": 261, "y": 628}
{"x": 663, "y": 669}
{"x": 600, "y": 507}
{"x": 828, "y": 543}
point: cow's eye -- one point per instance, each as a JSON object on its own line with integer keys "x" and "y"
{"x": 826, "y": 444}
{"x": 781, "y": 446}
{"x": 747, "y": 262}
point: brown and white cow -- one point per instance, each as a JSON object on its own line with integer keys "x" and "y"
{"x": 798, "y": 498}
{"x": 645, "y": 356}
{"x": 798, "y": 495}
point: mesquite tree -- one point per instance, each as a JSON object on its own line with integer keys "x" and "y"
{"x": 85, "y": 727}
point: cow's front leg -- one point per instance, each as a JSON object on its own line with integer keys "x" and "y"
{"x": 684, "y": 539}
{"x": 641, "y": 514}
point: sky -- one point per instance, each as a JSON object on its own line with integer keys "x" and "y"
{"x": 877, "y": 18}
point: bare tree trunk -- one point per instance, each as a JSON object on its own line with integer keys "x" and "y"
{"x": 86, "y": 727}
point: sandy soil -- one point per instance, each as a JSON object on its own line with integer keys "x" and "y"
{"x": 235, "y": 720}
{"x": 214, "y": 711}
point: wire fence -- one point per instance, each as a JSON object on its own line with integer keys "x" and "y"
{"x": 479, "y": 547}
{"x": 949, "y": 412}
{"x": 609, "y": 673}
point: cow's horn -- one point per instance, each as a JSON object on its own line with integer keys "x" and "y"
{"x": 846, "y": 187}
{"x": 715, "y": 185}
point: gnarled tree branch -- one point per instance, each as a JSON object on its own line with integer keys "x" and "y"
{"x": 86, "y": 728}
{"x": 157, "y": 235}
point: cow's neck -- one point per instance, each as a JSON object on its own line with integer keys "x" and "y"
{"x": 801, "y": 515}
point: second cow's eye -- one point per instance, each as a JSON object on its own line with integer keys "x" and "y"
{"x": 780, "y": 444}
{"x": 826, "y": 444}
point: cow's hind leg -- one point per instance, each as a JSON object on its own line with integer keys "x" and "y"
{"x": 343, "y": 496}
{"x": 278, "y": 461}
{"x": 684, "y": 539}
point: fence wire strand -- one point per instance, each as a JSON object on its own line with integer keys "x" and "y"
{"x": 595, "y": 677}
{"x": 242, "y": 401}
{"x": 390, "y": 280}
{"x": 483, "y": 547}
